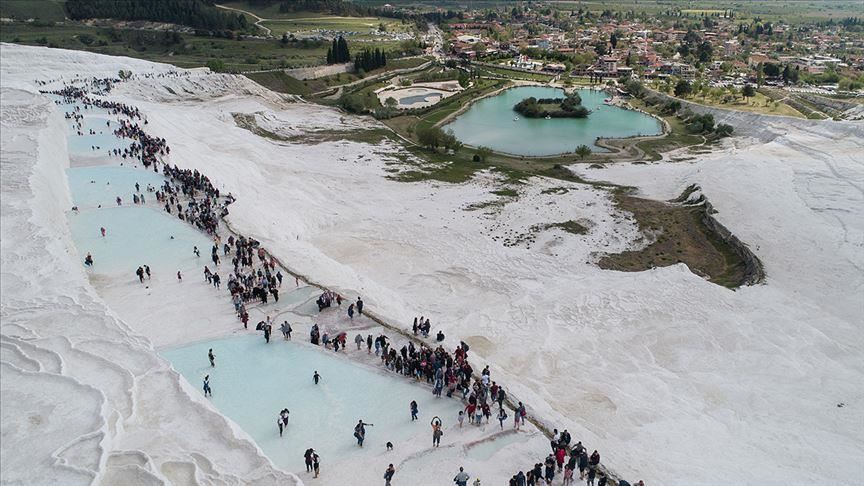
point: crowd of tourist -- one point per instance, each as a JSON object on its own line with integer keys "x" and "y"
{"x": 254, "y": 277}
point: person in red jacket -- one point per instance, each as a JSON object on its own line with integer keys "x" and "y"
{"x": 560, "y": 454}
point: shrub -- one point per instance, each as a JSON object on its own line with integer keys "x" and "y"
{"x": 583, "y": 151}
{"x": 723, "y": 130}
{"x": 216, "y": 65}
{"x": 482, "y": 154}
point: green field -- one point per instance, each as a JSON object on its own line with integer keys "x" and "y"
{"x": 759, "y": 103}
{"x": 703, "y": 11}
{"x": 192, "y": 51}
{"x": 280, "y": 82}
{"x": 269, "y": 11}
{"x": 361, "y": 25}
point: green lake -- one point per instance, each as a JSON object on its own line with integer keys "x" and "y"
{"x": 491, "y": 122}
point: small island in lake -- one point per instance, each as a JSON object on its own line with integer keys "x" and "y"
{"x": 568, "y": 107}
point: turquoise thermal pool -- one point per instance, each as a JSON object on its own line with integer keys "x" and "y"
{"x": 491, "y": 122}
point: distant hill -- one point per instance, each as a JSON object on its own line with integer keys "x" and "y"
{"x": 44, "y": 10}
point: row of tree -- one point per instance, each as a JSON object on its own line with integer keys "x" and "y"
{"x": 434, "y": 137}
{"x": 684, "y": 88}
{"x": 194, "y": 13}
{"x": 694, "y": 123}
{"x": 338, "y": 53}
{"x": 369, "y": 59}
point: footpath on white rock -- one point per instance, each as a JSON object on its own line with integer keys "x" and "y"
{"x": 672, "y": 378}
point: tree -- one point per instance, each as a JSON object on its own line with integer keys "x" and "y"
{"x": 794, "y": 74}
{"x": 353, "y": 103}
{"x": 429, "y": 136}
{"x": 600, "y": 48}
{"x": 369, "y": 59}
{"x": 771, "y": 70}
{"x": 613, "y": 40}
{"x": 463, "y": 79}
{"x": 635, "y": 88}
{"x": 338, "y": 52}
{"x": 449, "y": 141}
{"x": 391, "y": 102}
{"x": 216, "y": 65}
{"x": 583, "y": 151}
{"x": 683, "y": 88}
{"x": 705, "y": 51}
{"x": 671, "y": 107}
{"x": 748, "y": 91}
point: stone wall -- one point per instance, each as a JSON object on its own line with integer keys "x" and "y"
{"x": 320, "y": 71}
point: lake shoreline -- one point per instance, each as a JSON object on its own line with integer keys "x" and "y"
{"x": 596, "y": 135}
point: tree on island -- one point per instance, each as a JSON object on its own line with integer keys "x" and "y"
{"x": 567, "y": 107}
{"x": 583, "y": 151}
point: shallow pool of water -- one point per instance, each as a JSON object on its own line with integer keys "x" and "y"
{"x": 136, "y": 236}
{"x": 97, "y": 119}
{"x": 103, "y": 139}
{"x": 491, "y": 122}
{"x": 410, "y": 100}
{"x": 253, "y": 381}
{"x": 92, "y": 186}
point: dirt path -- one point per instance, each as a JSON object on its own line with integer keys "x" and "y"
{"x": 258, "y": 19}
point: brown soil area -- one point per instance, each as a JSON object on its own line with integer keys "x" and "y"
{"x": 680, "y": 236}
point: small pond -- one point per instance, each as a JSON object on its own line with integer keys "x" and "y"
{"x": 491, "y": 122}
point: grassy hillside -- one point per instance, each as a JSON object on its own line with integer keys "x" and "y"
{"x": 280, "y": 82}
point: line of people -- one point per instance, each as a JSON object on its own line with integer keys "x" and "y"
{"x": 437, "y": 367}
